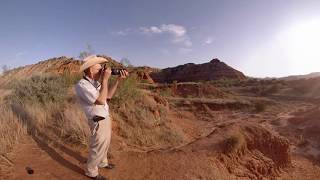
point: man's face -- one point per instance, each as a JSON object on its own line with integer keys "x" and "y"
{"x": 95, "y": 71}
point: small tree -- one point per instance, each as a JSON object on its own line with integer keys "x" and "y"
{"x": 4, "y": 69}
{"x": 87, "y": 52}
{"x": 126, "y": 62}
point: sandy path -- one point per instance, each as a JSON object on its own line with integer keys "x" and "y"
{"x": 55, "y": 161}
{"x": 50, "y": 162}
{"x": 47, "y": 162}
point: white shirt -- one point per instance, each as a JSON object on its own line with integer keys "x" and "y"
{"x": 88, "y": 92}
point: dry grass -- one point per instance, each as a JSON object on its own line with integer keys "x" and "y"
{"x": 62, "y": 122}
{"x": 72, "y": 125}
{"x": 143, "y": 122}
{"x": 10, "y": 130}
{"x": 233, "y": 143}
{"x": 42, "y": 105}
{"x": 45, "y": 106}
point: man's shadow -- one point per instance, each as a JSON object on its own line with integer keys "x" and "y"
{"x": 42, "y": 141}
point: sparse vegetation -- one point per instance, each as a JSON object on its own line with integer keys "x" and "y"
{"x": 45, "y": 105}
{"x": 127, "y": 92}
{"x": 264, "y": 90}
{"x": 41, "y": 104}
{"x": 10, "y": 130}
{"x": 233, "y": 143}
{"x": 140, "y": 118}
{"x": 39, "y": 89}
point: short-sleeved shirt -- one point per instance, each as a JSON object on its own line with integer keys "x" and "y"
{"x": 88, "y": 91}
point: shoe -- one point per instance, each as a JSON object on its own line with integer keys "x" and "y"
{"x": 99, "y": 177}
{"x": 110, "y": 166}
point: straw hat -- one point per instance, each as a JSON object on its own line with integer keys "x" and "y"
{"x": 91, "y": 61}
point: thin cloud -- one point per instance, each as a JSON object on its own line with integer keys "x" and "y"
{"x": 124, "y": 32}
{"x": 209, "y": 40}
{"x": 178, "y": 33}
{"x": 121, "y": 33}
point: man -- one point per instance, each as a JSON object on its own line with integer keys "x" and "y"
{"x": 93, "y": 93}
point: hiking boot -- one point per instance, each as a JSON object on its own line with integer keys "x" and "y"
{"x": 99, "y": 177}
{"x": 110, "y": 166}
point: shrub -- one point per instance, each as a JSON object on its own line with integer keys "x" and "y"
{"x": 233, "y": 143}
{"x": 127, "y": 91}
{"x": 42, "y": 89}
{"x": 38, "y": 90}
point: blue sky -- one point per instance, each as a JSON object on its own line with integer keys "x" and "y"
{"x": 260, "y": 38}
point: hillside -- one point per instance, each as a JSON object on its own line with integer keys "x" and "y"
{"x": 297, "y": 77}
{"x": 213, "y": 70}
{"x": 64, "y": 65}
{"x": 233, "y": 128}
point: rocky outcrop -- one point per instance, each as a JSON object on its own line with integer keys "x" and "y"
{"x": 142, "y": 73}
{"x": 254, "y": 152}
{"x": 213, "y": 70}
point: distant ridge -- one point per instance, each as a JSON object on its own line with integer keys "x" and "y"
{"x": 213, "y": 70}
{"x": 298, "y": 77}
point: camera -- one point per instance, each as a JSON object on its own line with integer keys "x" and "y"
{"x": 114, "y": 71}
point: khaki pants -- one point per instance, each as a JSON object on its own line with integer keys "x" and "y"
{"x": 99, "y": 144}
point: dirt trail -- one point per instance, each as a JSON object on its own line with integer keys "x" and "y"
{"x": 192, "y": 160}
{"x": 46, "y": 161}
{"x": 51, "y": 162}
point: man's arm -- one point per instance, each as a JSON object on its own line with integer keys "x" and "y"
{"x": 112, "y": 90}
{"x": 101, "y": 100}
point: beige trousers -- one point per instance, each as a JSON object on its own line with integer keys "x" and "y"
{"x": 99, "y": 143}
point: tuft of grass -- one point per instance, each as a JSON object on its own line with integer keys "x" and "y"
{"x": 10, "y": 130}
{"x": 233, "y": 143}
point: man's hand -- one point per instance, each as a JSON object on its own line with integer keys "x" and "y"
{"x": 123, "y": 74}
{"x": 106, "y": 74}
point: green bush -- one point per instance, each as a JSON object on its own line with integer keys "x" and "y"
{"x": 41, "y": 89}
{"x": 127, "y": 91}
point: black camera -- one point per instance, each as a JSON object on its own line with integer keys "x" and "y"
{"x": 114, "y": 71}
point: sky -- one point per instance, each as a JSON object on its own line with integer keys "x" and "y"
{"x": 261, "y": 38}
